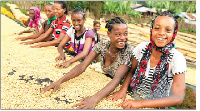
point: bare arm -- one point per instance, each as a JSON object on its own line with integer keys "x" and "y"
{"x": 51, "y": 43}
{"x": 178, "y": 93}
{"x": 81, "y": 55}
{"x": 76, "y": 71}
{"x": 90, "y": 102}
{"x": 60, "y": 48}
{"x": 43, "y": 36}
{"x": 121, "y": 94}
{"x": 33, "y": 36}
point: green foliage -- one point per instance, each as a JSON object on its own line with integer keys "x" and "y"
{"x": 187, "y": 30}
{"x": 23, "y": 11}
{"x": 5, "y": 1}
{"x": 5, "y": 6}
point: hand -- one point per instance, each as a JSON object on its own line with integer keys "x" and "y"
{"x": 26, "y": 43}
{"x": 20, "y": 33}
{"x": 53, "y": 86}
{"x": 36, "y": 46}
{"x": 64, "y": 64}
{"x": 87, "y": 103}
{"x": 21, "y": 38}
{"x": 117, "y": 95}
{"x": 61, "y": 57}
{"x": 131, "y": 104}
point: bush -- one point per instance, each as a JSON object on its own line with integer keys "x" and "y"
{"x": 23, "y": 11}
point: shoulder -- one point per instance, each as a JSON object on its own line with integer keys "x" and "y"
{"x": 177, "y": 55}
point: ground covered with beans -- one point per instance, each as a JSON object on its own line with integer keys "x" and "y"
{"x": 25, "y": 71}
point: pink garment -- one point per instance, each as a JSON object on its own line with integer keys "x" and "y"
{"x": 37, "y": 18}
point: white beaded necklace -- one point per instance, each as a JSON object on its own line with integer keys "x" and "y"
{"x": 111, "y": 53}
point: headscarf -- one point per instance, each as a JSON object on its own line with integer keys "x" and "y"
{"x": 37, "y": 18}
{"x": 160, "y": 86}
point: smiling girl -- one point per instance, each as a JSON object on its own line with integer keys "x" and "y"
{"x": 157, "y": 76}
{"x": 58, "y": 27}
{"x": 81, "y": 39}
{"x": 45, "y": 26}
{"x": 116, "y": 59}
{"x": 36, "y": 21}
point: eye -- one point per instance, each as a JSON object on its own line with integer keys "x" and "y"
{"x": 126, "y": 34}
{"x": 117, "y": 34}
{"x": 168, "y": 30}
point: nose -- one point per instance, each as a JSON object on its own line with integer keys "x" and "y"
{"x": 162, "y": 31}
{"x": 123, "y": 37}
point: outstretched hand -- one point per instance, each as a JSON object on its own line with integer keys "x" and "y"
{"x": 26, "y": 43}
{"x": 21, "y": 38}
{"x": 131, "y": 104}
{"x": 117, "y": 95}
{"x": 64, "y": 64}
{"x": 86, "y": 103}
{"x": 36, "y": 46}
{"x": 55, "y": 86}
{"x": 61, "y": 58}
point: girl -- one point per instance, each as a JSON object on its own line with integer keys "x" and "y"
{"x": 35, "y": 21}
{"x": 58, "y": 27}
{"x": 96, "y": 28}
{"x": 157, "y": 67}
{"x": 81, "y": 39}
{"x": 45, "y": 26}
{"x": 116, "y": 58}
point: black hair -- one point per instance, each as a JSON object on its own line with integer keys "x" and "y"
{"x": 168, "y": 14}
{"x": 79, "y": 10}
{"x": 95, "y": 22}
{"x": 63, "y": 5}
{"x": 116, "y": 20}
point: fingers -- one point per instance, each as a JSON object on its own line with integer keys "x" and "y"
{"x": 82, "y": 107}
{"x": 79, "y": 104}
{"x": 55, "y": 88}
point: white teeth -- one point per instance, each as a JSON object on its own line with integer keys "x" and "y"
{"x": 122, "y": 43}
{"x": 161, "y": 38}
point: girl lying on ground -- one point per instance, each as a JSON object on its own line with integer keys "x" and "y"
{"x": 116, "y": 58}
{"x": 58, "y": 27}
{"x": 45, "y": 26}
{"x": 157, "y": 68}
{"x": 81, "y": 39}
{"x": 35, "y": 23}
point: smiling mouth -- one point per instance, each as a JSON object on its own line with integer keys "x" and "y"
{"x": 162, "y": 39}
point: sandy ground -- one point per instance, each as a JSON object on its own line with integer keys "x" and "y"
{"x": 25, "y": 70}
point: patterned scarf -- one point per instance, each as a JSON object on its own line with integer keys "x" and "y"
{"x": 160, "y": 85}
{"x": 37, "y": 18}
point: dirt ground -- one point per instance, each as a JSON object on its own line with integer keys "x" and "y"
{"x": 25, "y": 70}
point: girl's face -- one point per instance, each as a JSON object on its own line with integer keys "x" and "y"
{"x": 32, "y": 14}
{"x": 118, "y": 35}
{"x": 163, "y": 29}
{"x": 49, "y": 11}
{"x": 58, "y": 10}
{"x": 77, "y": 21}
{"x": 97, "y": 27}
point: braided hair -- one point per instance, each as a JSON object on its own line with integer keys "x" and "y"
{"x": 78, "y": 9}
{"x": 168, "y": 14}
{"x": 63, "y": 5}
{"x": 116, "y": 20}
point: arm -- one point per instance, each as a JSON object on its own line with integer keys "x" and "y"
{"x": 121, "y": 94}
{"x": 60, "y": 48}
{"x": 42, "y": 36}
{"x": 24, "y": 32}
{"x": 76, "y": 71}
{"x": 33, "y": 36}
{"x": 87, "y": 45}
{"x": 178, "y": 93}
{"x": 98, "y": 37}
{"x": 90, "y": 102}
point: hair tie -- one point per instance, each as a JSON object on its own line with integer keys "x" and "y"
{"x": 79, "y": 7}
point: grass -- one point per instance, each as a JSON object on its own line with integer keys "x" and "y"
{"x": 3, "y": 4}
{"x": 23, "y": 11}
{"x": 187, "y": 30}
